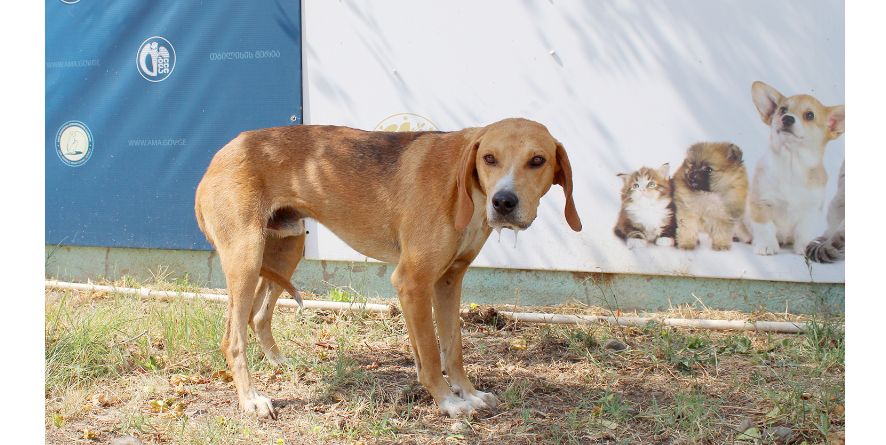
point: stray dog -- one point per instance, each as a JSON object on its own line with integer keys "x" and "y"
{"x": 426, "y": 201}
{"x": 710, "y": 190}
{"x": 787, "y": 192}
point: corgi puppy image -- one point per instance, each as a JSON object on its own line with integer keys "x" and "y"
{"x": 710, "y": 190}
{"x": 788, "y": 186}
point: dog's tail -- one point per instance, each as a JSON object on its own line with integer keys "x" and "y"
{"x": 284, "y": 283}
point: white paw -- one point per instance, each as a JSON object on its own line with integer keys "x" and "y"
{"x": 634, "y": 243}
{"x": 664, "y": 241}
{"x": 487, "y": 400}
{"x": 455, "y": 406}
{"x": 766, "y": 248}
{"x": 277, "y": 361}
{"x": 259, "y": 405}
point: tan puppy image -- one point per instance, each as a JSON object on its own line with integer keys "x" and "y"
{"x": 787, "y": 192}
{"x": 710, "y": 188}
{"x": 425, "y": 201}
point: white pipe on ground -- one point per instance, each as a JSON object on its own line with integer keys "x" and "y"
{"x": 527, "y": 317}
{"x": 219, "y": 298}
{"x": 720, "y": 325}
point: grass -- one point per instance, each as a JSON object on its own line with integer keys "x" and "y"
{"x": 118, "y": 365}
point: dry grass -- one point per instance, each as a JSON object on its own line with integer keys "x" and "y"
{"x": 117, "y": 365}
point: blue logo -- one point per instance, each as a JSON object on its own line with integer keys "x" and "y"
{"x": 155, "y": 59}
{"x": 73, "y": 143}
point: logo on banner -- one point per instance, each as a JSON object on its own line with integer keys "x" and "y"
{"x": 155, "y": 59}
{"x": 406, "y": 122}
{"x": 70, "y": 2}
{"x": 73, "y": 143}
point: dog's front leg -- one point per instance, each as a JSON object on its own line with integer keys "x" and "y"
{"x": 447, "y": 298}
{"x": 415, "y": 289}
{"x": 763, "y": 230}
{"x": 687, "y": 231}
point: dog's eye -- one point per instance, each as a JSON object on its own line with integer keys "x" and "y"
{"x": 651, "y": 185}
{"x": 783, "y": 110}
{"x": 536, "y": 161}
{"x": 490, "y": 160}
{"x": 635, "y": 186}
{"x": 809, "y": 116}
{"x": 708, "y": 169}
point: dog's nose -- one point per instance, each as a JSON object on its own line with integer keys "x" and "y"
{"x": 504, "y": 202}
{"x": 787, "y": 120}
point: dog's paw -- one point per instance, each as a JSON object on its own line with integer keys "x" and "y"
{"x": 488, "y": 398}
{"x": 259, "y": 405}
{"x": 763, "y": 248}
{"x": 634, "y": 243}
{"x": 664, "y": 241}
{"x": 721, "y": 245}
{"x": 454, "y": 406}
{"x": 481, "y": 400}
{"x": 278, "y": 361}
{"x": 823, "y": 250}
{"x": 687, "y": 244}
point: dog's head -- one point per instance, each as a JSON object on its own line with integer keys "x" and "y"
{"x": 709, "y": 165}
{"x": 797, "y": 121}
{"x": 513, "y": 162}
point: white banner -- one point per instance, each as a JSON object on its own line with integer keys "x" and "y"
{"x": 621, "y": 84}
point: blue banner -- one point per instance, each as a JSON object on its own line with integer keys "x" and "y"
{"x": 140, "y": 94}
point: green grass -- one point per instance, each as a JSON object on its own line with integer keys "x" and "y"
{"x": 350, "y": 379}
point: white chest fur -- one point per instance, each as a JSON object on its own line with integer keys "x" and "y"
{"x": 782, "y": 183}
{"x": 649, "y": 213}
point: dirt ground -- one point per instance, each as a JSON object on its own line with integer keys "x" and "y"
{"x": 119, "y": 368}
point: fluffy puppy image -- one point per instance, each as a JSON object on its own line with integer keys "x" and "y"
{"x": 647, "y": 209}
{"x": 710, "y": 189}
{"x": 831, "y": 246}
{"x": 787, "y": 192}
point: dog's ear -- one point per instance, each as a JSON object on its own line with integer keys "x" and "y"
{"x": 766, "y": 99}
{"x": 467, "y": 167}
{"x": 563, "y": 177}
{"x": 665, "y": 169}
{"x": 734, "y": 154}
{"x": 624, "y": 177}
{"x": 836, "y": 121}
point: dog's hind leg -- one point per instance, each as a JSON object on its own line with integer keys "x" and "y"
{"x": 241, "y": 259}
{"x": 281, "y": 256}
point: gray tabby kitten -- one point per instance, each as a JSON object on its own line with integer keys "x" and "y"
{"x": 831, "y": 246}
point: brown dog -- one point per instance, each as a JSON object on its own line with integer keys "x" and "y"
{"x": 426, "y": 201}
{"x": 710, "y": 188}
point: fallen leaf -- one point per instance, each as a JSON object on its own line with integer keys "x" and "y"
{"x": 519, "y": 344}
{"x": 608, "y": 424}
{"x": 749, "y": 435}
{"x": 839, "y": 410}
{"x": 223, "y": 375}
{"x": 89, "y": 434}
{"x": 100, "y": 400}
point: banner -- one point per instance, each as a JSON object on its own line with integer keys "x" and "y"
{"x": 623, "y": 85}
{"x": 139, "y": 97}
